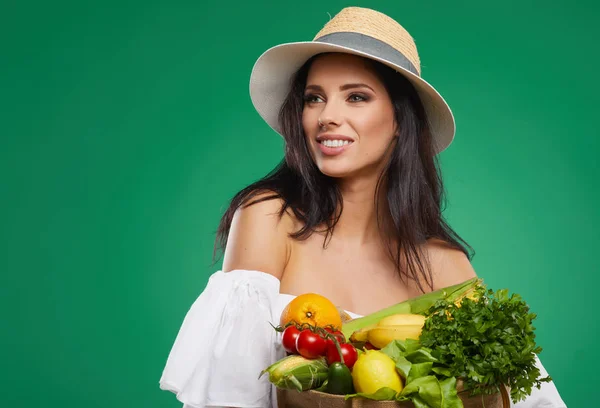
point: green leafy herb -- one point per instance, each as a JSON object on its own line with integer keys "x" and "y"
{"x": 487, "y": 341}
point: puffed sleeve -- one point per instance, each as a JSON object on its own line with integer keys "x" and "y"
{"x": 546, "y": 397}
{"x": 225, "y": 341}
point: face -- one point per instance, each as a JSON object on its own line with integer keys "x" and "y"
{"x": 345, "y": 95}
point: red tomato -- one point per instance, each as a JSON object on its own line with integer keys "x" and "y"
{"x": 369, "y": 346}
{"x": 348, "y": 351}
{"x": 310, "y": 345}
{"x": 338, "y": 334}
{"x": 288, "y": 339}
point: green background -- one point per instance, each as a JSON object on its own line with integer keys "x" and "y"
{"x": 127, "y": 126}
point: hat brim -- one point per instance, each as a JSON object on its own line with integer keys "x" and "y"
{"x": 271, "y": 76}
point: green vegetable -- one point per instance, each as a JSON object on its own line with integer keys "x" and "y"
{"x": 422, "y": 385}
{"x": 339, "y": 380}
{"x": 382, "y": 394}
{"x": 486, "y": 342}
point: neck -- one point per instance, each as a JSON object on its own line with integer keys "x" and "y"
{"x": 358, "y": 221}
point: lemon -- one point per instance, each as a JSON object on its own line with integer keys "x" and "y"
{"x": 374, "y": 370}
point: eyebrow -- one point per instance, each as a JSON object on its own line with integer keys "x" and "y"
{"x": 342, "y": 88}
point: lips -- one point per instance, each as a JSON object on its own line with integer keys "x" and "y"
{"x": 334, "y": 150}
{"x": 333, "y": 145}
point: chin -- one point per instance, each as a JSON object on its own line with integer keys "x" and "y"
{"x": 336, "y": 170}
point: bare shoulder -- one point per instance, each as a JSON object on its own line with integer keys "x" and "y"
{"x": 258, "y": 238}
{"x": 449, "y": 266}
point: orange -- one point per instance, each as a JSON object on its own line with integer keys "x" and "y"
{"x": 313, "y": 309}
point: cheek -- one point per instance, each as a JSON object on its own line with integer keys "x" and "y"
{"x": 307, "y": 119}
{"x": 378, "y": 129}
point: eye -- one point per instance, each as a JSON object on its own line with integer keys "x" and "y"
{"x": 312, "y": 98}
{"x": 358, "y": 98}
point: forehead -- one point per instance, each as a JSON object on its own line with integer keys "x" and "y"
{"x": 341, "y": 67}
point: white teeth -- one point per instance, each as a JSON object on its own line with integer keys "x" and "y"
{"x": 335, "y": 143}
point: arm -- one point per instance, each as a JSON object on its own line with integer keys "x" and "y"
{"x": 258, "y": 239}
{"x": 212, "y": 363}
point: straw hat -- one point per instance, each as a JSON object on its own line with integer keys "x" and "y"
{"x": 354, "y": 30}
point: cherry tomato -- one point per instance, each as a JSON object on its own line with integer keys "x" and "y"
{"x": 330, "y": 330}
{"x": 348, "y": 351}
{"x": 288, "y": 339}
{"x": 336, "y": 333}
{"x": 310, "y": 345}
{"x": 369, "y": 346}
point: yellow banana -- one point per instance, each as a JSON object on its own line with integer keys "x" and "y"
{"x": 402, "y": 319}
{"x": 400, "y": 326}
{"x": 361, "y": 335}
{"x": 381, "y": 336}
{"x": 399, "y": 319}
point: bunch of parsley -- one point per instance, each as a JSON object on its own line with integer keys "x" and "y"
{"x": 487, "y": 341}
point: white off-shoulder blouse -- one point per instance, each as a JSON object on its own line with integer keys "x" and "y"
{"x": 226, "y": 340}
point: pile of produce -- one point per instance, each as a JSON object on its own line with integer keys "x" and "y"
{"x": 417, "y": 350}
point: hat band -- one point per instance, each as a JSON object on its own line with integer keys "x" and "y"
{"x": 369, "y": 45}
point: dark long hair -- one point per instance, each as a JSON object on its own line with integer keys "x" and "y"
{"x": 414, "y": 192}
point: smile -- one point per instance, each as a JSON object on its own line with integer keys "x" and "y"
{"x": 334, "y": 147}
{"x": 335, "y": 143}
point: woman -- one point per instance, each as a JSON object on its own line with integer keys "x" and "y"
{"x": 353, "y": 211}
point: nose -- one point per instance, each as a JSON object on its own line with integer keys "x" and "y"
{"x": 330, "y": 115}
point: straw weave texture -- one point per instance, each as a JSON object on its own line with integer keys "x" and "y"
{"x": 377, "y": 25}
